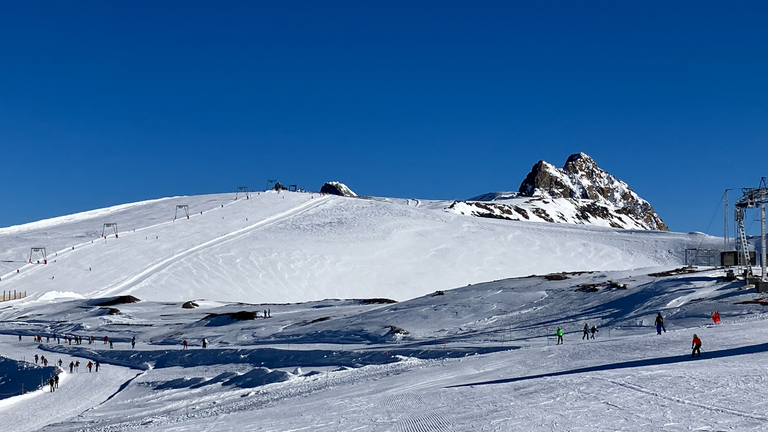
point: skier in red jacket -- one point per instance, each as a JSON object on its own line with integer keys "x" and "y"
{"x": 696, "y": 346}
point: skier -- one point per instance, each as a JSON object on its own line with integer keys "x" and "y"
{"x": 659, "y": 324}
{"x": 716, "y": 317}
{"x": 97, "y": 364}
{"x": 71, "y": 366}
{"x": 205, "y": 343}
{"x": 105, "y": 340}
{"x": 111, "y": 345}
{"x": 133, "y": 342}
{"x": 265, "y": 313}
{"x": 19, "y": 338}
{"x": 696, "y": 346}
{"x": 77, "y": 366}
{"x": 51, "y": 383}
{"x": 36, "y": 358}
{"x": 89, "y": 366}
{"x": 593, "y": 330}
{"x": 586, "y": 332}
{"x": 184, "y": 343}
{"x": 269, "y": 312}
{"x": 56, "y": 381}
{"x": 60, "y": 362}
{"x": 559, "y": 336}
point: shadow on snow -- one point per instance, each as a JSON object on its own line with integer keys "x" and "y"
{"x": 751, "y": 349}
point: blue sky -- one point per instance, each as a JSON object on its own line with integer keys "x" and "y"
{"x": 103, "y": 103}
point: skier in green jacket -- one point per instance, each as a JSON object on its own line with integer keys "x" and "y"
{"x": 559, "y": 336}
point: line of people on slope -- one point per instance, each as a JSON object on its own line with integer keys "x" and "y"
{"x": 589, "y": 333}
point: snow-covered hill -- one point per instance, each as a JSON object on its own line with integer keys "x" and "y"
{"x": 578, "y": 193}
{"x": 456, "y": 353}
{"x": 290, "y": 247}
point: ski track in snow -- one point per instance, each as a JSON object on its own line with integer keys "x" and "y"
{"x": 124, "y": 287}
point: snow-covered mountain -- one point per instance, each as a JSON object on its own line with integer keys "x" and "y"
{"x": 294, "y": 246}
{"x": 456, "y": 353}
{"x": 578, "y": 193}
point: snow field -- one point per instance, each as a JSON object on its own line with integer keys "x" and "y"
{"x": 293, "y": 247}
{"x": 307, "y": 258}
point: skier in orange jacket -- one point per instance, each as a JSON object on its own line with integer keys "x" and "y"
{"x": 696, "y": 346}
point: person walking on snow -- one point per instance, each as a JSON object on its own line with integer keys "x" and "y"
{"x": 184, "y": 343}
{"x": 586, "y": 332}
{"x": 97, "y": 365}
{"x": 56, "y": 381}
{"x": 133, "y": 342}
{"x": 559, "y": 336}
{"x": 659, "y": 324}
{"x": 593, "y": 330}
{"x": 51, "y": 383}
{"x": 696, "y": 346}
{"x": 89, "y": 366}
{"x": 71, "y": 366}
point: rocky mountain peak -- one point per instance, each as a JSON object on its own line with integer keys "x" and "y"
{"x": 581, "y": 179}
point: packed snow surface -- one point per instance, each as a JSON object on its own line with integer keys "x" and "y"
{"x": 291, "y": 293}
{"x": 292, "y": 247}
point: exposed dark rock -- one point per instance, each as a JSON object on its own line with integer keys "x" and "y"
{"x": 189, "y": 305}
{"x": 397, "y": 330}
{"x": 336, "y": 188}
{"x": 117, "y": 300}
{"x": 377, "y": 301}
{"x": 581, "y": 179}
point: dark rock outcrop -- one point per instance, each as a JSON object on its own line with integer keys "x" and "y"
{"x": 336, "y": 188}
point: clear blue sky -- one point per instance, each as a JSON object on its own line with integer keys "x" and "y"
{"x": 103, "y": 103}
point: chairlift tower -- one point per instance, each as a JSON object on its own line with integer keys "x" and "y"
{"x": 243, "y": 189}
{"x": 270, "y": 184}
{"x": 751, "y": 198}
{"x": 183, "y": 207}
{"x": 112, "y": 225}
{"x": 40, "y": 250}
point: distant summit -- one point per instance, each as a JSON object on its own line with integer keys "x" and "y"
{"x": 336, "y": 188}
{"x": 579, "y": 192}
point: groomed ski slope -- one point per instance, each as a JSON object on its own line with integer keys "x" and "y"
{"x": 628, "y": 378}
{"x": 293, "y": 247}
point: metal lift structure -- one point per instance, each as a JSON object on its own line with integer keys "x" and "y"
{"x": 112, "y": 225}
{"x": 184, "y": 207}
{"x": 751, "y": 198}
{"x": 242, "y": 189}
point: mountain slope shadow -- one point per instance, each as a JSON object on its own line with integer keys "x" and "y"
{"x": 751, "y": 349}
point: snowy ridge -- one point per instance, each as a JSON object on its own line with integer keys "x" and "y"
{"x": 578, "y": 193}
{"x": 292, "y": 247}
